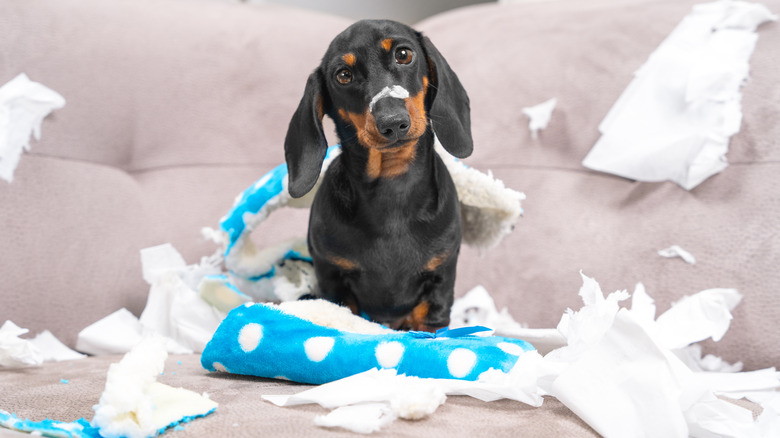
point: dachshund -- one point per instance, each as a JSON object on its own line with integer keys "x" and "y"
{"x": 385, "y": 227}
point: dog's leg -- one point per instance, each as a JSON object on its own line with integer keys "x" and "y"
{"x": 433, "y": 312}
{"x": 333, "y": 287}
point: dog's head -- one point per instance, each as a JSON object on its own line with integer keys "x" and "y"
{"x": 383, "y": 84}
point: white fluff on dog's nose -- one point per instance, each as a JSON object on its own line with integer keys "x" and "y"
{"x": 396, "y": 91}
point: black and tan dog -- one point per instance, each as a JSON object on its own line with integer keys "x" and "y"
{"x": 385, "y": 228}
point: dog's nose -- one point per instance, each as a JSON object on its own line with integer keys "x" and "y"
{"x": 392, "y": 118}
{"x": 393, "y": 126}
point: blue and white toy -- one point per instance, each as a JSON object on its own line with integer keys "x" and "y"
{"x": 283, "y": 272}
{"x": 284, "y": 342}
{"x": 315, "y": 341}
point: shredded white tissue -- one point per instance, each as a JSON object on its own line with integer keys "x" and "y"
{"x": 621, "y": 381}
{"x": 539, "y": 116}
{"x": 23, "y": 106}
{"x": 413, "y": 398}
{"x": 677, "y": 251}
{"x": 696, "y": 318}
{"x": 15, "y": 351}
{"x": 173, "y": 309}
{"x": 53, "y": 350}
{"x": 362, "y": 418}
{"x": 477, "y": 307}
{"x": 587, "y": 326}
{"x": 692, "y": 358}
{"x": 676, "y": 117}
{"x": 135, "y": 405}
{"x": 619, "y": 370}
{"x": 115, "y": 334}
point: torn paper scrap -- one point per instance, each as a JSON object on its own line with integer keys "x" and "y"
{"x": 135, "y": 405}
{"x": 362, "y": 418}
{"x": 477, "y": 308}
{"x": 677, "y": 251}
{"x": 173, "y": 309}
{"x": 621, "y": 384}
{"x": 676, "y": 117}
{"x": 396, "y": 395}
{"x": 695, "y": 318}
{"x": 587, "y": 326}
{"x": 621, "y": 379}
{"x": 692, "y": 357}
{"x": 15, "y": 351}
{"x": 539, "y": 116}
{"x": 53, "y": 350}
{"x": 23, "y": 106}
{"x": 373, "y": 385}
{"x": 115, "y": 334}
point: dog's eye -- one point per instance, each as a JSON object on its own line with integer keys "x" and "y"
{"x": 404, "y": 55}
{"x": 344, "y": 76}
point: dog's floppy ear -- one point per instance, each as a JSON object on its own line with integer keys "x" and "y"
{"x": 448, "y": 104}
{"x": 305, "y": 145}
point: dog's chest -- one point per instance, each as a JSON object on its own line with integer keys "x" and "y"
{"x": 385, "y": 235}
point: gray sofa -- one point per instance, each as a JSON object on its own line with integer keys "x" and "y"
{"x": 174, "y": 107}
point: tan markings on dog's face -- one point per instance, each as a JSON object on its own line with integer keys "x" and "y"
{"x": 350, "y": 59}
{"x": 396, "y": 161}
{"x": 415, "y": 105}
{"x": 435, "y": 262}
{"x": 390, "y": 163}
{"x": 343, "y": 263}
{"x": 365, "y": 125}
{"x": 387, "y": 44}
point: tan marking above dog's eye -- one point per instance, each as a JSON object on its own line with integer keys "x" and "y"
{"x": 344, "y": 76}
{"x": 350, "y": 59}
{"x": 404, "y": 55}
{"x": 387, "y": 44}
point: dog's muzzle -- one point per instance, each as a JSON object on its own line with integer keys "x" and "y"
{"x": 390, "y": 113}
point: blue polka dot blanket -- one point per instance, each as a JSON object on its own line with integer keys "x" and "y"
{"x": 317, "y": 342}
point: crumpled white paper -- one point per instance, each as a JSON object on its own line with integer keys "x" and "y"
{"x": 53, "y": 350}
{"x": 620, "y": 370}
{"x": 173, "y": 309}
{"x": 676, "y": 117}
{"x": 539, "y": 116}
{"x": 362, "y": 418}
{"x": 477, "y": 307}
{"x": 44, "y": 347}
{"x": 381, "y": 396}
{"x": 15, "y": 351}
{"x": 23, "y": 106}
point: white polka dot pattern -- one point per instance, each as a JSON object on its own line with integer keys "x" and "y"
{"x": 389, "y": 354}
{"x": 461, "y": 362}
{"x": 318, "y": 348}
{"x": 249, "y": 337}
